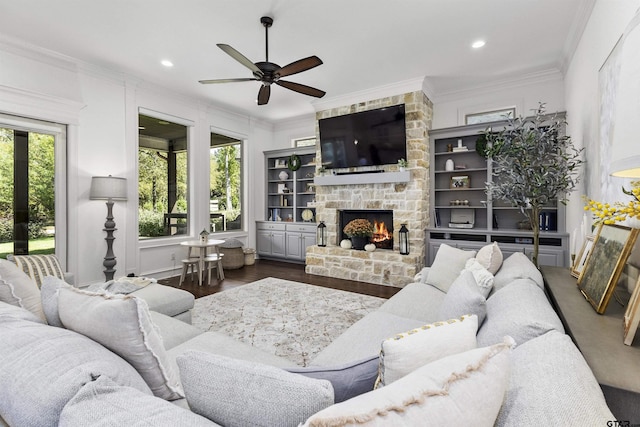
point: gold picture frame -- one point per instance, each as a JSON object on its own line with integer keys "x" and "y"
{"x": 632, "y": 315}
{"x": 581, "y": 260}
{"x": 611, "y": 248}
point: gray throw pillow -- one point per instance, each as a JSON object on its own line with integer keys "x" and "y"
{"x": 516, "y": 266}
{"x": 102, "y": 402}
{"x": 44, "y": 367}
{"x": 348, "y": 380}
{"x": 464, "y": 297}
{"x": 234, "y": 392}
{"x": 49, "y": 297}
{"x": 520, "y": 310}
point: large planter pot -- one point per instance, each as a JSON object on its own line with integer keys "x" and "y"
{"x": 358, "y": 242}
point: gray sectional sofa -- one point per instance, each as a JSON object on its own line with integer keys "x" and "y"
{"x": 520, "y": 368}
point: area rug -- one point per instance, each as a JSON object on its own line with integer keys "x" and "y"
{"x": 289, "y": 319}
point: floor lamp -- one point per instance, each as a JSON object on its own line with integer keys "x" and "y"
{"x": 109, "y": 188}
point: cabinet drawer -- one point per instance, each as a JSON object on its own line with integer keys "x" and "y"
{"x": 271, "y": 226}
{"x": 302, "y": 228}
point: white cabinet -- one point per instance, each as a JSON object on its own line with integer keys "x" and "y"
{"x": 271, "y": 239}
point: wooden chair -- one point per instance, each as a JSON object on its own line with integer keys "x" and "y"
{"x": 214, "y": 261}
{"x": 190, "y": 261}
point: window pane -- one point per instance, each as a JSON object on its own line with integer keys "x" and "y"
{"x": 225, "y": 183}
{"x": 162, "y": 178}
{"x": 27, "y": 192}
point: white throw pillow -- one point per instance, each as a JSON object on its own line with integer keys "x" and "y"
{"x": 406, "y": 352}
{"x": 465, "y": 389}
{"x": 447, "y": 266}
{"x": 16, "y": 288}
{"x": 490, "y": 257}
{"x": 484, "y": 279}
{"x": 49, "y": 297}
{"x": 122, "y": 324}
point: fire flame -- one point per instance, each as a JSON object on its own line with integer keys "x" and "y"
{"x": 380, "y": 232}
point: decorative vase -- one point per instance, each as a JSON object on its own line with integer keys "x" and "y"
{"x": 358, "y": 242}
{"x": 370, "y": 247}
{"x": 283, "y": 176}
{"x": 449, "y": 166}
{"x": 345, "y": 244}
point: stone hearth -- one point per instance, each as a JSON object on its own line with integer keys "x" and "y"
{"x": 408, "y": 199}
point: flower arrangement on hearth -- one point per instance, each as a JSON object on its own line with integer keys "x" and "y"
{"x": 358, "y": 228}
{"x": 619, "y": 211}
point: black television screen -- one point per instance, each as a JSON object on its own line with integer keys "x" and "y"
{"x": 370, "y": 138}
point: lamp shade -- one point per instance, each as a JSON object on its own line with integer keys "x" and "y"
{"x": 625, "y": 141}
{"x": 108, "y": 188}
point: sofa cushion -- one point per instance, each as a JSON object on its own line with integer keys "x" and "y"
{"x": 520, "y": 310}
{"x": 44, "y": 367}
{"x": 416, "y": 301}
{"x": 102, "y": 402}
{"x": 173, "y": 331}
{"x": 404, "y": 353}
{"x": 464, "y": 297}
{"x": 49, "y": 298}
{"x": 348, "y": 380}
{"x": 516, "y": 266}
{"x": 37, "y": 267}
{"x": 166, "y": 299}
{"x": 490, "y": 257}
{"x": 447, "y": 265}
{"x": 122, "y": 324}
{"x": 235, "y": 392}
{"x": 551, "y": 384}
{"x": 363, "y": 338}
{"x": 16, "y": 288}
{"x": 465, "y": 389}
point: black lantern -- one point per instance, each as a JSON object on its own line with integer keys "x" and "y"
{"x": 404, "y": 239}
{"x": 321, "y": 237}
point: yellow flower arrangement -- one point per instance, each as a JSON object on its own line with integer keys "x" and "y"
{"x": 619, "y": 211}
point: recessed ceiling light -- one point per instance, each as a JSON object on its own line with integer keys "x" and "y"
{"x": 478, "y": 44}
{"x": 166, "y": 63}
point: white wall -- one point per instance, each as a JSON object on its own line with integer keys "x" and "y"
{"x": 449, "y": 109}
{"x": 606, "y": 24}
{"x": 101, "y": 111}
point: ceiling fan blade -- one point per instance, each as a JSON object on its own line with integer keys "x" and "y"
{"x": 208, "y": 82}
{"x": 263, "y": 94}
{"x": 299, "y": 66}
{"x": 297, "y": 87}
{"x": 241, "y": 59}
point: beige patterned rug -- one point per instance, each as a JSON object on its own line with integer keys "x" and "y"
{"x": 289, "y": 319}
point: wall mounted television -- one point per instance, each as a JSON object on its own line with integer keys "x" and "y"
{"x": 369, "y": 138}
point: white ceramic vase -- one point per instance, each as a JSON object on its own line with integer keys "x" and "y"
{"x": 283, "y": 176}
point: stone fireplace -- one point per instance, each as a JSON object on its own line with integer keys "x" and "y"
{"x": 405, "y": 194}
{"x": 382, "y": 221}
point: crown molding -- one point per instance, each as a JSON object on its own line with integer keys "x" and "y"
{"x": 512, "y": 82}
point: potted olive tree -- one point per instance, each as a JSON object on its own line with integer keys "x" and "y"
{"x": 534, "y": 164}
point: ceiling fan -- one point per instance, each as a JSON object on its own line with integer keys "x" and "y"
{"x": 268, "y": 72}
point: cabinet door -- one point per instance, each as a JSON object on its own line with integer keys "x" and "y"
{"x": 264, "y": 242}
{"x": 307, "y": 239}
{"x": 294, "y": 245}
{"x": 278, "y": 244}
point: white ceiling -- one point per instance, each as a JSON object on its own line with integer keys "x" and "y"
{"x": 364, "y": 44}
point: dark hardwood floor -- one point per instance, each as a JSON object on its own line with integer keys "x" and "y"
{"x": 283, "y": 270}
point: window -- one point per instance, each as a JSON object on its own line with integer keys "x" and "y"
{"x": 162, "y": 178}
{"x": 28, "y": 168}
{"x": 225, "y": 183}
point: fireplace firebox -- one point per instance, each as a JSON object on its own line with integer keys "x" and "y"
{"x": 382, "y": 221}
